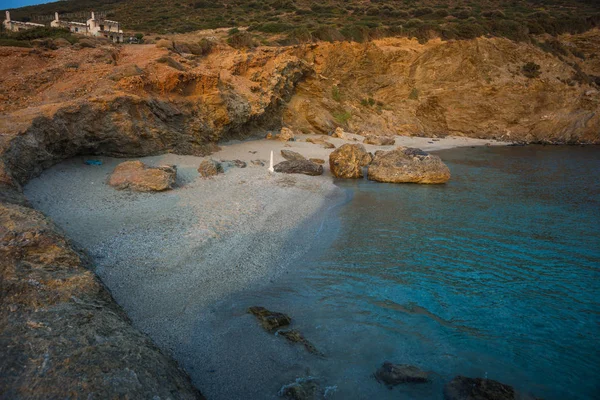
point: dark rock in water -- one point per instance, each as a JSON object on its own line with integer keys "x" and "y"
{"x": 270, "y": 320}
{"x": 299, "y": 167}
{"x": 258, "y": 163}
{"x": 296, "y": 337}
{"x": 210, "y": 168}
{"x": 347, "y": 161}
{"x": 292, "y": 155}
{"x": 464, "y": 388}
{"x": 303, "y": 389}
{"x": 394, "y": 374}
{"x": 408, "y": 165}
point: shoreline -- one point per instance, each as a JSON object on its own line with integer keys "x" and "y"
{"x": 169, "y": 258}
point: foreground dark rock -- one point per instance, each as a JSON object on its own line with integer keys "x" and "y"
{"x": 270, "y": 320}
{"x": 379, "y": 140}
{"x": 299, "y": 167}
{"x": 62, "y": 334}
{"x": 137, "y": 176}
{"x": 210, "y": 168}
{"x": 295, "y": 336}
{"x": 395, "y": 374}
{"x": 347, "y": 161}
{"x": 408, "y": 165}
{"x": 292, "y": 155}
{"x": 464, "y": 388}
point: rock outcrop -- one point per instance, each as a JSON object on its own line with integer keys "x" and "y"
{"x": 209, "y": 168}
{"x": 464, "y": 388}
{"x": 379, "y": 140}
{"x": 292, "y": 155}
{"x": 270, "y": 320}
{"x": 285, "y": 135}
{"x": 137, "y": 176}
{"x": 295, "y": 336}
{"x": 305, "y": 167}
{"x": 339, "y": 133}
{"x": 62, "y": 334}
{"x": 408, "y": 165}
{"x": 395, "y": 374}
{"x": 348, "y": 160}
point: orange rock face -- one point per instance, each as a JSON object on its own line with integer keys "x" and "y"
{"x": 137, "y": 176}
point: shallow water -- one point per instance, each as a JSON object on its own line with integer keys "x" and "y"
{"x": 495, "y": 274}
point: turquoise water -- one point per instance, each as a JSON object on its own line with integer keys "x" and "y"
{"x": 495, "y": 274}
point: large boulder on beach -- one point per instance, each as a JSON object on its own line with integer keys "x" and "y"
{"x": 270, "y": 320}
{"x": 305, "y": 167}
{"x": 292, "y": 155}
{"x": 286, "y": 134}
{"x": 395, "y": 374}
{"x": 408, "y": 165}
{"x": 379, "y": 140}
{"x": 464, "y": 388}
{"x": 137, "y": 176}
{"x": 348, "y": 160}
{"x": 210, "y": 168}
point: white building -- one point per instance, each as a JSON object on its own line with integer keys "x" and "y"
{"x": 75, "y": 27}
{"x": 94, "y": 27}
{"x": 16, "y": 26}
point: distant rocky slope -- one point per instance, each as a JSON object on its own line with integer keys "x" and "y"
{"x": 61, "y": 333}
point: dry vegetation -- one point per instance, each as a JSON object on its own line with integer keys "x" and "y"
{"x": 289, "y": 21}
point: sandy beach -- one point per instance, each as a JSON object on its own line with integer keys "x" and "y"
{"x": 175, "y": 260}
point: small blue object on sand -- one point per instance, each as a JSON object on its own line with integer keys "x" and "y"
{"x": 93, "y": 162}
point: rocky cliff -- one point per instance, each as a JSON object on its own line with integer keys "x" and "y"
{"x": 62, "y": 334}
{"x": 475, "y": 88}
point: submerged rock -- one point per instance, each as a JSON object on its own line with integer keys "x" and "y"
{"x": 302, "y": 389}
{"x": 317, "y": 160}
{"x": 135, "y": 175}
{"x": 379, "y": 140}
{"x": 270, "y": 320}
{"x": 292, "y": 155}
{"x": 328, "y": 145}
{"x": 464, "y": 388}
{"x": 347, "y": 161}
{"x": 258, "y": 163}
{"x": 395, "y": 374}
{"x": 210, "y": 168}
{"x": 408, "y": 165}
{"x": 299, "y": 167}
{"x": 295, "y": 336}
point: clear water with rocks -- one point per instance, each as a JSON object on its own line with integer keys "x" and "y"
{"x": 495, "y": 274}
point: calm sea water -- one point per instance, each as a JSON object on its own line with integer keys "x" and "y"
{"x": 496, "y": 274}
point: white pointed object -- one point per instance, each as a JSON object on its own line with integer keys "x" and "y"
{"x": 271, "y": 163}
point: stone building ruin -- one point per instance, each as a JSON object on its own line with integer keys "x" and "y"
{"x": 100, "y": 27}
{"x": 17, "y": 26}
